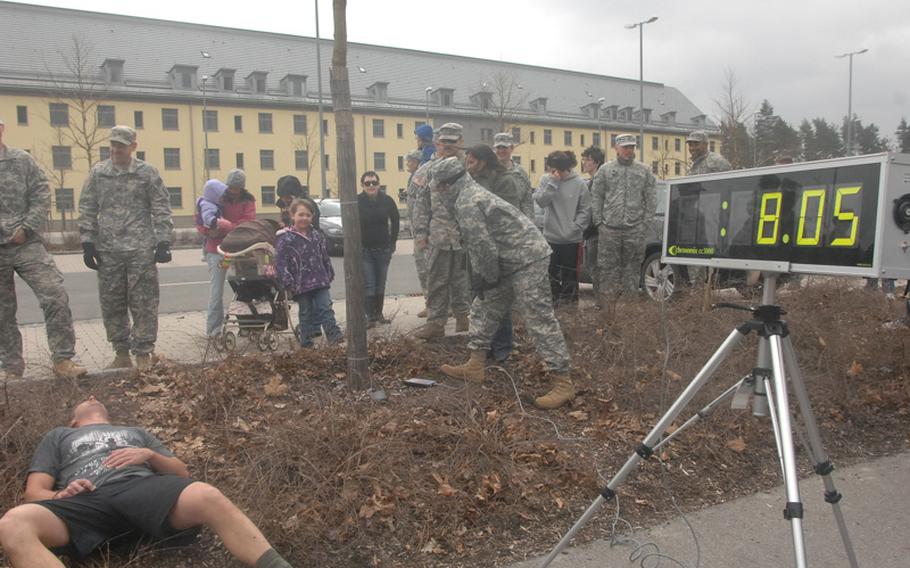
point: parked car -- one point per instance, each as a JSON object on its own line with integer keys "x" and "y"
{"x": 658, "y": 280}
{"x": 330, "y": 223}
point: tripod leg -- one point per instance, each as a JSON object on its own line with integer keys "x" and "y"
{"x": 646, "y": 448}
{"x": 823, "y": 465}
{"x": 794, "y": 509}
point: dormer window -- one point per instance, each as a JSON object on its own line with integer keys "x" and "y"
{"x": 256, "y": 82}
{"x": 482, "y": 100}
{"x": 224, "y": 79}
{"x": 669, "y": 117}
{"x": 444, "y": 97}
{"x": 379, "y": 92}
{"x": 294, "y": 85}
{"x": 592, "y": 110}
{"x": 625, "y": 113}
{"x": 113, "y": 71}
{"x": 699, "y": 120}
{"x": 183, "y": 76}
{"x": 539, "y": 105}
{"x": 609, "y": 112}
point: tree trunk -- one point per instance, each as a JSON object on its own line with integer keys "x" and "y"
{"x": 358, "y": 363}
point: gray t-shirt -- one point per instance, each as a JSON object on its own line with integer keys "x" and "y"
{"x": 69, "y": 454}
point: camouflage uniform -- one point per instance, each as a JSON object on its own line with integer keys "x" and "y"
{"x": 24, "y": 203}
{"x": 417, "y": 184}
{"x": 125, "y": 213}
{"x": 708, "y": 163}
{"x": 508, "y": 258}
{"x": 623, "y": 202}
{"x": 447, "y": 279}
{"x": 511, "y": 186}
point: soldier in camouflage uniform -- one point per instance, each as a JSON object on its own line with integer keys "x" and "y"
{"x": 504, "y": 146}
{"x": 24, "y": 202}
{"x": 623, "y": 199}
{"x": 412, "y": 163}
{"x": 125, "y": 223}
{"x": 436, "y": 231}
{"x": 703, "y": 161}
{"x": 508, "y": 258}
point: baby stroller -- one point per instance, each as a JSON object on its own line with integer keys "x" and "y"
{"x": 248, "y": 251}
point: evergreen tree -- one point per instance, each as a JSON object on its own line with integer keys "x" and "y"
{"x": 903, "y": 136}
{"x": 807, "y": 141}
{"x": 866, "y": 139}
{"x": 827, "y": 141}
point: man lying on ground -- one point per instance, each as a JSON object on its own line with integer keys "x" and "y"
{"x": 94, "y": 481}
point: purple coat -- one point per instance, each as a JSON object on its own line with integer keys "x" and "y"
{"x": 303, "y": 262}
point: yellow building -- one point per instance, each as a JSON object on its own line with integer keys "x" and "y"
{"x": 205, "y": 100}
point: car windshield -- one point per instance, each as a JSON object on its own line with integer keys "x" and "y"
{"x": 330, "y": 209}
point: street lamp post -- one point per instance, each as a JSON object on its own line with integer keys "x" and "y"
{"x": 641, "y": 81}
{"x": 325, "y": 186}
{"x": 600, "y": 123}
{"x": 850, "y": 98}
{"x": 205, "y": 130}
{"x": 427, "y": 103}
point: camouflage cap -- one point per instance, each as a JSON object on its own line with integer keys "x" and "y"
{"x": 503, "y": 140}
{"x": 697, "y": 136}
{"x": 450, "y": 132}
{"x": 448, "y": 171}
{"x": 123, "y": 134}
{"x": 626, "y": 140}
{"x": 415, "y": 155}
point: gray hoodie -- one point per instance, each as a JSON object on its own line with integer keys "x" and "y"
{"x": 567, "y": 208}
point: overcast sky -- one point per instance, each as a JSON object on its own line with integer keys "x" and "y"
{"x": 780, "y": 50}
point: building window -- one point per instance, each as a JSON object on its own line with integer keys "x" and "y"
{"x": 169, "y": 119}
{"x": 612, "y": 140}
{"x": 300, "y": 124}
{"x": 172, "y": 158}
{"x": 582, "y": 140}
{"x": 213, "y": 159}
{"x": 62, "y": 157}
{"x": 516, "y": 135}
{"x": 677, "y": 144}
{"x": 210, "y": 120}
{"x": 63, "y": 197}
{"x": 186, "y": 80}
{"x": 227, "y": 82}
{"x": 265, "y": 123}
{"x": 106, "y": 116}
{"x": 655, "y": 144}
{"x": 533, "y": 141}
{"x": 327, "y": 161}
{"x": 138, "y": 119}
{"x": 22, "y": 115}
{"x": 567, "y": 137}
{"x": 268, "y": 195}
{"x": 260, "y": 85}
{"x": 547, "y": 136}
{"x": 175, "y": 196}
{"x": 654, "y": 168}
{"x": 486, "y": 135}
{"x": 266, "y": 159}
{"x": 595, "y": 139}
{"x": 301, "y": 160}
{"x": 677, "y": 169}
{"x": 399, "y": 130}
{"x": 379, "y": 161}
{"x": 325, "y": 126}
{"x": 60, "y": 114}
{"x": 378, "y": 128}
{"x": 711, "y": 146}
{"x": 238, "y": 123}
{"x": 104, "y": 153}
{"x": 400, "y": 163}
{"x": 533, "y": 166}
{"x": 140, "y": 154}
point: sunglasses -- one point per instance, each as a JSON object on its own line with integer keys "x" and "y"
{"x": 370, "y": 183}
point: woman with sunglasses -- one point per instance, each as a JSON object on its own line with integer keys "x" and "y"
{"x": 379, "y": 221}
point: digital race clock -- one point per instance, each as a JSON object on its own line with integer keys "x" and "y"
{"x": 847, "y": 216}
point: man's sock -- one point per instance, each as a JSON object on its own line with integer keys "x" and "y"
{"x": 271, "y": 559}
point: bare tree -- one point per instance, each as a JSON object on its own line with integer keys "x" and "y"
{"x": 732, "y": 109}
{"x": 507, "y": 97}
{"x": 358, "y": 363}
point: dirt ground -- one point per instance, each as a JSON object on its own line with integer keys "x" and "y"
{"x": 475, "y": 476}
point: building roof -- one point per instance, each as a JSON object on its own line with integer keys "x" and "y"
{"x": 36, "y": 38}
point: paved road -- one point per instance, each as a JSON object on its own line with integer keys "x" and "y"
{"x": 185, "y": 285}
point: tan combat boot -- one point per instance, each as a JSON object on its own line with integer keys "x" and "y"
{"x": 422, "y": 313}
{"x": 121, "y": 361}
{"x": 472, "y": 371}
{"x": 432, "y": 330}
{"x": 66, "y": 369}
{"x": 562, "y": 392}
{"x": 461, "y": 323}
{"x": 146, "y": 360}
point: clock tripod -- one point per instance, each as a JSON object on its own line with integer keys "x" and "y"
{"x": 766, "y": 386}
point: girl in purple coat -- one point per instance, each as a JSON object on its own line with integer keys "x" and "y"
{"x": 305, "y": 272}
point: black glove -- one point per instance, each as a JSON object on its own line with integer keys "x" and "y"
{"x": 163, "y": 252}
{"x": 90, "y": 256}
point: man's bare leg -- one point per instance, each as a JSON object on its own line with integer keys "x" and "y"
{"x": 26, "y": 533}
{"x": 202, "y": 504}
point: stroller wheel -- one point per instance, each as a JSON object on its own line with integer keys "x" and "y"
{"x": 229, "y": 341}
{"x": 267, "y": 341}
